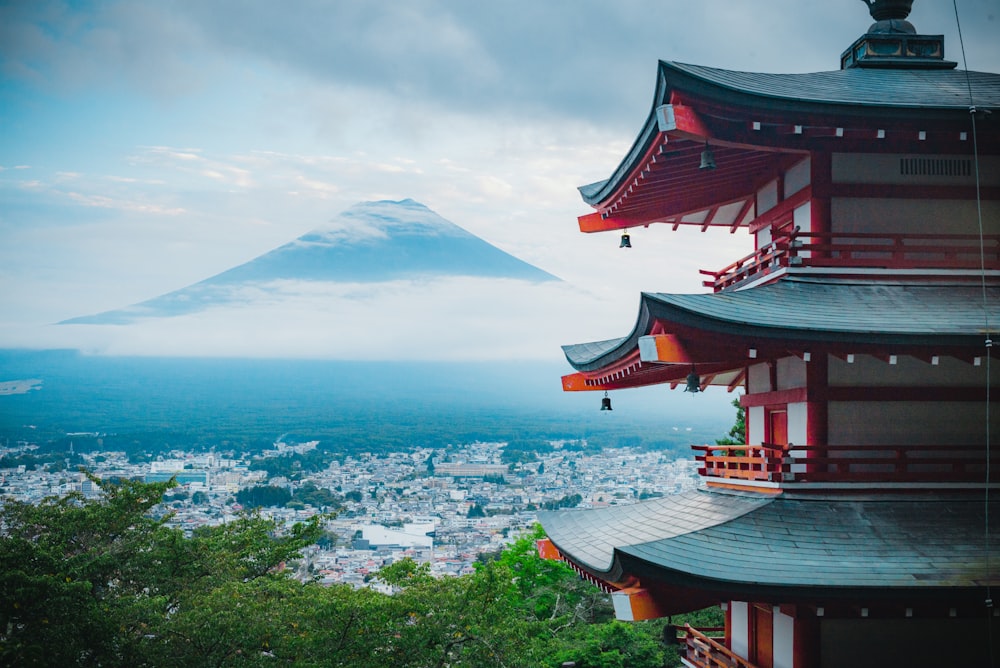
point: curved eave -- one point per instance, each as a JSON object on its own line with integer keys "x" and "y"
{"x": 723, "y": 332}
{"x": 759, "y": 124}
{"x": 837, "y": 312}
{"x": 799, "y": 548}
{"x": 932, "y": 95}
{"x": 665, "y": 160}
{"x": 590, "y": 538}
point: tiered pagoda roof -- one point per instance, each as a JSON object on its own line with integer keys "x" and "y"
{"x": 796, "y": 550}
{"x": 757, "y": 124}
{"x": 723, "y": 332}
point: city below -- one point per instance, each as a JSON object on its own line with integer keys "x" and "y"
{"x": 441, "y": 507}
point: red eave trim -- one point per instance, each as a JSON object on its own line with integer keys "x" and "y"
{"x": 779, "y": 397}
{"x": 595, "y": 222}
{"x": 576, "y": 382}
{"x": 600, "y": 222}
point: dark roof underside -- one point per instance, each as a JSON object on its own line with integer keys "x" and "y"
{"x": 912, "y": 543}
{"x": 801, "y": 309}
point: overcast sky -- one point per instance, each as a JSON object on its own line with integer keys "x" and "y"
{"x": 147, "y": 145}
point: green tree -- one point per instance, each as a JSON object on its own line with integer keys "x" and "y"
{"x": 103, "y": 582}
{"x": 738, "y": 433}
{"x": 612, "y": 645}
{"x": 69, "y": 581}
{"x": 320, "y": 497}
{"x": 263, "y": 496}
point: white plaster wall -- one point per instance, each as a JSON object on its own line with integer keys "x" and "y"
{"x": 884, "y": 168}
{"x": 791, "y": 373}
{"x": 740, "y": 628}
{"x": 758, "y": 379}
{"x": 797, "y": 423}
{"x": 867, "y": 371}
{"x": 784, "y": 640}
{"x": 767, "y": 197}
{"x": 763, "y": 236}
{"x": 797, "y": 177}
{"x": 907, "y": 423}
{"x": 924, "y": 216}
{"x": 802, "y": 219}
{"x": 755, "y": 425}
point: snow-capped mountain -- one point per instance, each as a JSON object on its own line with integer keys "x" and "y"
{"x": 370, "y": 243}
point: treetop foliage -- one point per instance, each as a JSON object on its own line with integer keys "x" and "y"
{"x": 103, "y": 582}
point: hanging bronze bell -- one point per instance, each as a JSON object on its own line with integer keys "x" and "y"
{"x": 707, "y": 158}
{"x": 693, "y": 383}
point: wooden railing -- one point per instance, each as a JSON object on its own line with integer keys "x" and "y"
{"x": 861, "y": 250}
{"x": 706, "y": 652}
{"x": 847, "y": 463}
{"x": 764, "y": 260}
{"x": 745, "y": 462}
{"x": 887, "y": 463}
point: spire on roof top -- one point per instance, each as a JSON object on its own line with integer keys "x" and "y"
{"x": 893, "y": 43}
{"x": 889, "y": 9}
{"x": 890, "y": 16}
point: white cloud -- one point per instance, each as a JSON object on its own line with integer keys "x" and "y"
{"x": 444, "y": 319}
{"x": 226, "y": 129}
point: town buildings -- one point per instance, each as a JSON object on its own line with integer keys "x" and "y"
{"x": 392, "y": 506}
{"x": 857, "y": 526}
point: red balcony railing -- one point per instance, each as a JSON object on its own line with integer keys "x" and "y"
{"x": 742, "y": 462}
{"x": 847, "y": 463}
{"x": 861, "y": 250}
{"x": 706, "y": 652}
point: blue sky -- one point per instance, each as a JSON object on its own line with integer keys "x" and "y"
{"x": 148, "y": 145}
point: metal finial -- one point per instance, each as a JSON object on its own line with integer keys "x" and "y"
{"x": 882, "y": 10}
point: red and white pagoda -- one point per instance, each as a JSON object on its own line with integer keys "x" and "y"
{"x": 859, "y": 525}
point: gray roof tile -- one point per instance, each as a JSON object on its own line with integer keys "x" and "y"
{"x": 911, "y": 542}
{"x": 815, "y": 310}
{"x": 592, "y": 535}
{"x": 894, "y": 88}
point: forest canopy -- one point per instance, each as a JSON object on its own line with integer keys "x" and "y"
{"x": 107, "y": 582}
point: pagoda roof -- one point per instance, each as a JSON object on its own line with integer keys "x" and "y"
{"x": 920, "y": 89}
{"x": 728, "y": 541}
{"x": 798, "y": 310}
{"x": 759, "y": 124}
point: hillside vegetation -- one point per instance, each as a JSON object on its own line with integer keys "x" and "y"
{"x": 107, "y": 583}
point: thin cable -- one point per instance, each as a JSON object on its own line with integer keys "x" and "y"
{"x": 988, "y": 342}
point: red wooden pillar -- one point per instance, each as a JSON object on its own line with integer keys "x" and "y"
{"x": 821, "y": 180}
{"x": 817, "y": 416}
{"x": 807, "y": 642}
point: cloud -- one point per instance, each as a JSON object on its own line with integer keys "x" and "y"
{"x": 442, "y": 319}
{"x": 71, "y": 47}
{"x": 168, "y": 142}
{"x": 123, "y": 205}
{"x": 576, "y": 59}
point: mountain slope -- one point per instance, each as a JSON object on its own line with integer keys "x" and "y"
{"x": 372, "y": 242}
